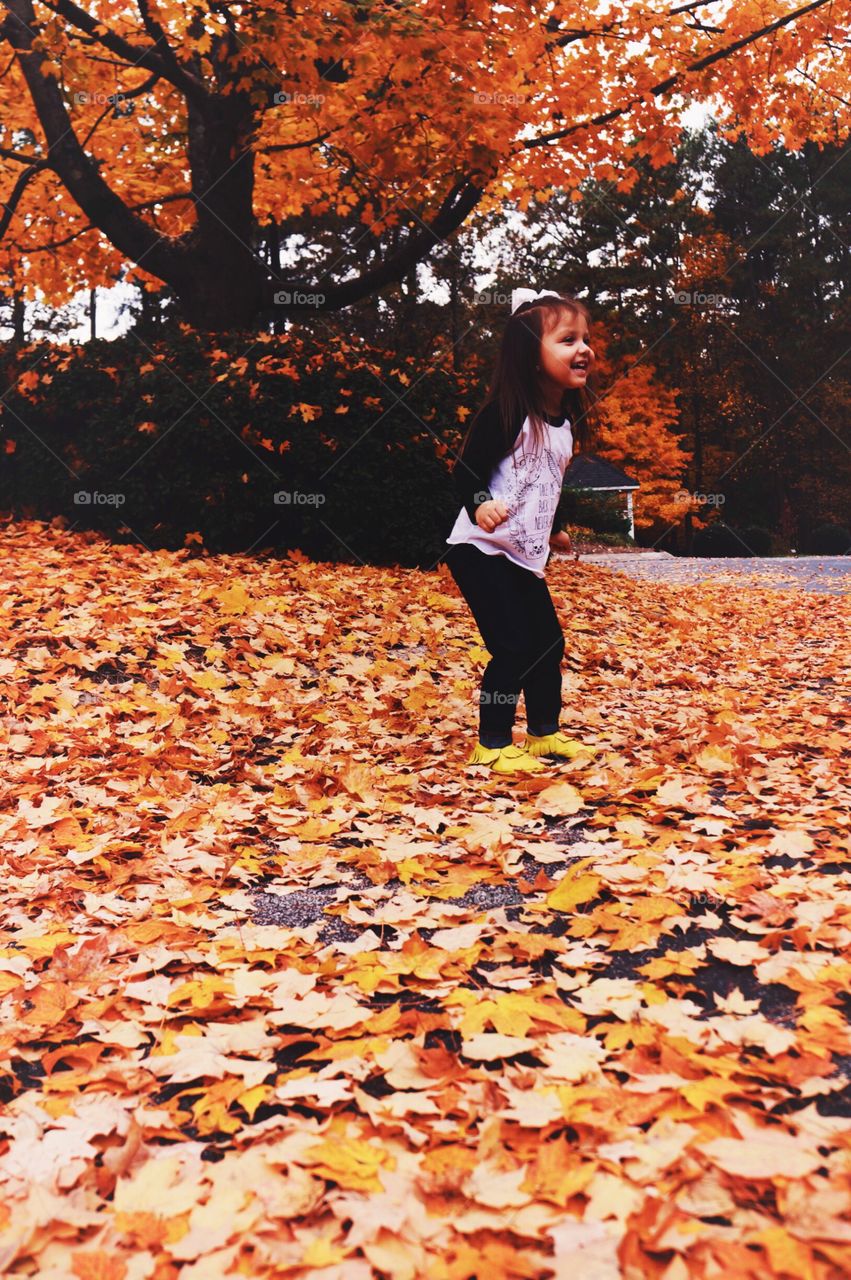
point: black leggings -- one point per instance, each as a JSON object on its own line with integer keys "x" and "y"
{"x": 514, "y": 612}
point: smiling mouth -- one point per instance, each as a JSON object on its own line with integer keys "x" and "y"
{"x": 580, "y": 368}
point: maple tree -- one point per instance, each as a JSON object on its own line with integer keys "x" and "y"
{"x": 638, "y": 433}
{"x": 286, "y": 991}
{"x": 704, "y": 269}
{"x": 161, "y": 138}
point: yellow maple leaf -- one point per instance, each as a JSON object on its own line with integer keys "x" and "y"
{"x": 210, "y": 680}
{"x": 323, "y": 1253}
{"x": 716, "y": 759}
{"x": 251, "y": 1098}
{"x": 235, "y": 600}
{"x": 492, "y": 1044}
{"x": 574, "y": 887}
{"x": 561, "y": 798}
{"x": 350, "y": 1163}
{"x": 787, "y": 1255}
{"x": 793, "y": 841}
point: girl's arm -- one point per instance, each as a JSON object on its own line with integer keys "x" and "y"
{"x": 472, "y": 471}
{"x": 561, "y": 540}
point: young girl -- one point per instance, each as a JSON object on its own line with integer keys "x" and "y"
{"x": 509, "y": 477}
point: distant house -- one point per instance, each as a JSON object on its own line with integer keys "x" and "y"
{"x": 592, "y": 474}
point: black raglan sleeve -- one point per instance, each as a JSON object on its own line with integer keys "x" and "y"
{"x": 472, "y": 472}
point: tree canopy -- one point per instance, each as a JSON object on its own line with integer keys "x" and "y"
{"x": 157, "y": 139}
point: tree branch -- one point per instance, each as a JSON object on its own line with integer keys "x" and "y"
{"x": 17, "y": 191}
{"x": 16, "y": 155}
{"x": 179, "y": 77}
{"x": 131, "y": 93}
{"x": 78, "y": 171}
{"x": 159, "y": 59}
{"x": 460, "y": 201}
{"x": 664, "y": 85}
{"x": 294, "y": 146}
{"x": 50, "y": 245}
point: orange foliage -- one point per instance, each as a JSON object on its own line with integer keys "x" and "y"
{"x": 383, "y": 118}
{"x": 586, "y": 1022}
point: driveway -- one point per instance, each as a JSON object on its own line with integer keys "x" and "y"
{"x": 831, "y": 574}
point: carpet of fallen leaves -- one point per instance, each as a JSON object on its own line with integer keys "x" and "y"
{"x": 288, "y": 991}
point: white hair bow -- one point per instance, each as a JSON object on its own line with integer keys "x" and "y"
{"x": 519, "y": 296}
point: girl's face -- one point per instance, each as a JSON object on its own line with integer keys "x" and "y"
{"x": 565, "y": 356}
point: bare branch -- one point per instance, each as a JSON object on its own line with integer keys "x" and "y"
{"x": 460, "y": 202}
{"x": 79, "y": 172}
{"x": 667, "y": 84}
{"x": 153, "y": 58}
{"x": 50, "y": 245}
{"x": 17, "y": 191}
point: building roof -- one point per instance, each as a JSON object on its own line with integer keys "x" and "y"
{"x": 588, "y": 471}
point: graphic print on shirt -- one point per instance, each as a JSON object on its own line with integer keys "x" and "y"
{"x": 530, "y": 487}
{"x": 532, "y": 499}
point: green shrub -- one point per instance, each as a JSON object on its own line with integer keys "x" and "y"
{"x": 759, "y": 540}
{"x": 829, "y": 540}
{"x": 601, "y": 512}
{"x": 184, "y": 441}
{"x": 715, "y": 541}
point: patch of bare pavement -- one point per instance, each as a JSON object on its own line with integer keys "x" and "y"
{"x": 828, "y": 574}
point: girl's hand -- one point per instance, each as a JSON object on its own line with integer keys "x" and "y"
{"x": 561, "y": 540}
{"x": 490, "y": 514}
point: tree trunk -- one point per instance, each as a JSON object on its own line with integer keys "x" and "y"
{"x": 222, "y": 291}
{"x": 219, "y": 279}
{"x": 19, "y": 317}
{"x": 224, "y": 285}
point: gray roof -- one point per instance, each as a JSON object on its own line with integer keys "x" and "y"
{"x": 588, "y": 471}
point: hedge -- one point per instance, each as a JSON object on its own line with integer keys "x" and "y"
{"x": 258, "y": 442}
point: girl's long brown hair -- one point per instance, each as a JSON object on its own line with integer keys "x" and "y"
{"x": 515, "y": 384}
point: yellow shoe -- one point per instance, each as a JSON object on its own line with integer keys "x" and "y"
{"x": 556, "y": 744}
{"x": 510, "y": 759}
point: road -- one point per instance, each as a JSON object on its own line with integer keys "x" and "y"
{"x": 830, "y": 574}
